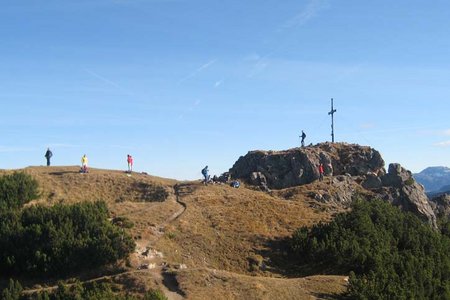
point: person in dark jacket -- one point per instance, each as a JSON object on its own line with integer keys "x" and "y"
{"x": 48, "y": 155}
{"x": 303, "y": 136}
{"x": 205, "y": 174}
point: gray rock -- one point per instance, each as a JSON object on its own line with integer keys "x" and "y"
{"x": 405, "y": 192}
{"x": 283, "y": 169}
{"x": 318, "y": 197}
{"x": 441, "y": 205}
{"x": 349, "y": 164}
{"x": 372, "y": 182}
{"x": 327, "y": 197}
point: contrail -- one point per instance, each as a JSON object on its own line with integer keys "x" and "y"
{"x": 309, "y": 12}
{"x": 305, "y": 15}
{"x": 107, "y": 81}
{"x": 193, "y": 74}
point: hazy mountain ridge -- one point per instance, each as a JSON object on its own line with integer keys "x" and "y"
{"x": 434, "y": 179}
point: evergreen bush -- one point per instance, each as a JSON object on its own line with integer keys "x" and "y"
{"x": 389, "y": 254}
{"x": 16, "y": 190}
{"x": 56, "y": 240}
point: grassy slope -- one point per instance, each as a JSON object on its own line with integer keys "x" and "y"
{"x": 217, "y": 237}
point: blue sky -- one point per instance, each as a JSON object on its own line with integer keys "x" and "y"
{"x": 182, "y": 84}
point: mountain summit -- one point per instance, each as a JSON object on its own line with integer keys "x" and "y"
{"x": 345, "y": 166}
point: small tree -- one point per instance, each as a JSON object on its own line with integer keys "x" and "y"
{"x": 155, "y": 295}
{"x": 13, "y": 291}
{"x": 16, "y": 190}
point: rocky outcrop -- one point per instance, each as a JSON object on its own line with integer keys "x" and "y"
{"x": 399, "y": 187}
{"x": 299, "y": 166}
{"x": 441, "y": 205}
{"x": 345, "y": 165}
{"x": 343, "y": 192}
{"x": 258, "y": 179}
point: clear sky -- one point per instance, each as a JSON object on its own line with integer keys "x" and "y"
{"x": 182, "y": 84}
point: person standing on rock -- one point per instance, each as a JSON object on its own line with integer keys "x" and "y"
{"x": 48, "y": 155}
{"x": 130, "y": 163}
{"x": 205, "y": 174}
{"x": 320, "y": 172}
{"x": 303, "y": 136}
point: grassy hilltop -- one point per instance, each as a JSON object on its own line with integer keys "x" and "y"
{"x": 192, "y": 241}
{"x": 158, "y": 238}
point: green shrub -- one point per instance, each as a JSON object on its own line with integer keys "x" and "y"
{"x": 409, "y": 181}
{"x": 13, "y": 291}
{"x": 79, "y": 291}
{"x": 390, "y": 254}
{"x": 155, "y": 295}
{"x": 123, "y": 222}
{"x": 16, "y": 190}
{"x": 60, "y": 239}
{"x": 171, "y": 235}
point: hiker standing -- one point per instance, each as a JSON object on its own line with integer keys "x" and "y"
{"x": 205, "y": 174}
{"x": 84, "y": 164}
{"x": 330, "y": 172}
{"x": 48, "y": 155}
{"x": 130, "y": 163}
{"x": 303, "y": 136}
{"x": 320, "y": 172}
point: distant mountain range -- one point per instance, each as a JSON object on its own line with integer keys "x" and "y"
{"x": 434, "y": 179}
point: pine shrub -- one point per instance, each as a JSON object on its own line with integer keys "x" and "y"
{"x": 389, "y": 254}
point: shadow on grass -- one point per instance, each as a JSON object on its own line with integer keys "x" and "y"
{"x": 151, "y": 192}
{"x": 61, "y": 173}
{"x": 171, "y": 283}
{"x": 330, "y": 297}
{"x": 279, "y": 259}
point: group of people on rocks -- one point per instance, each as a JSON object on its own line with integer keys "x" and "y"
{"x": 222, "y": 179}
{"x": 84, "y": 161}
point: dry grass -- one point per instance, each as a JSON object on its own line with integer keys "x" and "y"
{"x": 215, "y": 284}
{"x": 220, "y": 236}
{"x": 223, "y": 227}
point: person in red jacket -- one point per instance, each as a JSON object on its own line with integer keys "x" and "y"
{"x": 130, "y": 163}
{"x": 320, "y": 172}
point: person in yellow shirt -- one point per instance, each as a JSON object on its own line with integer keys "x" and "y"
{"x": 84, "y": 164}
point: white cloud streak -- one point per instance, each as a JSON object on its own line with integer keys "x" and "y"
{"x": 197, "y": 71}
{"x": 442, "y": 144}
{"x": 61, "y": 145}
{"x": 107, "y": 81}
{"x": 367, "y": 126}
{"x": 309, "y": 12}
{"x": 15, "y": 149}
{"x": 445, "y": 132}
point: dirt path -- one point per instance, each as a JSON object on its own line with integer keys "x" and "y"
{"x": 178, "y": 190}
{"x": 169, "y": 284}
